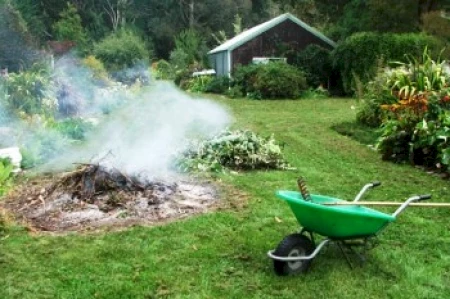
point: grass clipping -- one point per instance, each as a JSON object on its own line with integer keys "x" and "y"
{"x": 236, "y": 150}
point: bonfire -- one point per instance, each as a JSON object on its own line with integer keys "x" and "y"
{"x": 94, "y": 195}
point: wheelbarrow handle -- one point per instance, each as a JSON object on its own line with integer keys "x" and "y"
{"x": 411, "y": 200}
{"x": 424, "y": 197}
{"x": 376, "y": 184}
{"x": 365, "y": 188}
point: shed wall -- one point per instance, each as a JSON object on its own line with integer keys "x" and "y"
{"x": 219, "y": 61}
{"x": 283, "y": 40}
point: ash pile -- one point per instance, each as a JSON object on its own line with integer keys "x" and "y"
{"x": 95, "y": 196}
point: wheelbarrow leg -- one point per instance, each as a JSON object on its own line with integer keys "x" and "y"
{"x": 347, "y": 258}
{"x": 351, "y": 247}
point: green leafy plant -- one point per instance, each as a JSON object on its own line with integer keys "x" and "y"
{"x": 163, "y": 70}
{"x": 69, "y": 27}
{"x": 219, "y": 85}
{"x": 318, "y": 93}
{"x": 360, "y": 53}
{"x": 190, "y": 44}
{"x": 96, "y": 67}
{"x": 6, "y": 169}
{"x": 315, "y": 61}
{"x": 199, "y": 83}
{"x": 73, "y": 128}
{"x": 270, "y": 81}
{"x": 122, "y": 49}
{"x": 29, "y": 92}
{"x": 411, "y": 103}
{"x": 239, "y": 150}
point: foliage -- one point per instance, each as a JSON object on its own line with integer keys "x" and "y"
{"x": 270, "y": 81}
{"x": 42, "y": 146}
{"x": 28, "y": 92}
{"x": 6, "y": 169}
{"x": 358, "y": 55}
{"x": 218, "y": 84}
{"x": 72, "y": 128}
{"x": 209, "y": 84}
{"x": 239, "y": 150}
{"x": 199, "y": 83}
{"x": 179, "y": 60}
{"x": 370, "y": 114}
{"x": 433, "y": 23}
{"x": 318, "y": 93}
{"x": 315, "y": 61}
{"x": 17, "y": 45}
{"x": 69, "y": 26}
{"x": 120, "y": 50}
{"x": 193, "y": 46}
{"x": 234, "y": 92}
{"x": 380, "y": 16}
{"x": 163, "y": 70}
{"x": 96, "y": 67}
{"x": 414, "y": 107}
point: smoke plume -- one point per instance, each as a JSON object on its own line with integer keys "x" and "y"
{"x": 138, "y": 132}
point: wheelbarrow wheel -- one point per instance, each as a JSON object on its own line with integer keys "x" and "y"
{"x": 292, "y": 246}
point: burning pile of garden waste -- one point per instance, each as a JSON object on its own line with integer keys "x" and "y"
{"x": 94, "y": 196}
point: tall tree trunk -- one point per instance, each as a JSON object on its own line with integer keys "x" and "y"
{"x": 191, "y": 14}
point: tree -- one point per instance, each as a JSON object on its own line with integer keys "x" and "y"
{"x": 69, "y": 27}
{"x": 437, "y": 24}
{"x": 17, "y": 45}
{"x": 117, "y": 10}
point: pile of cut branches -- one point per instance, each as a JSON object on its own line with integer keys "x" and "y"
{"x": 238, "y": 150}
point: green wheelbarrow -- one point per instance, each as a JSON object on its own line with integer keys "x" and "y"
{"x": 349, "y": 226}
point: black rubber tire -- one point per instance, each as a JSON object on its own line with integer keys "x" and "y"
{"x": 293, "y": 245}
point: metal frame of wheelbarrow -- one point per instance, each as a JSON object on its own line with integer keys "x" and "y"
{"x": 301, "y": 263}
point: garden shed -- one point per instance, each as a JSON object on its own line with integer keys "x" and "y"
{"x": 276, "y": 38}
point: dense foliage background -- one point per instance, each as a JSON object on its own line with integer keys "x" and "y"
{"x": 87, "y": 21}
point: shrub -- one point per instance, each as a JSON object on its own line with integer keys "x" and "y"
{"x": 416, "y": 119}
{"x": 96, "y": 66}
{"x": 272, "y": 80}
{"x": 318, "y": 93}
{"x": 244, "y": 78}
{"x": 240, "y": 150}
{"x": 69, "y": 27}
{"x": 6, "y": 169}
{"x": 164, "y": 70}
{"x": 234, "y": 92}
{"x": 207, "y": 84}
{"x": 199, "y": 83}
{"x": 29, "y": 92}
{"x": 280, "y": 80}
{"x": 358, "y": 55}
{"x": 370, "y": 114}
{"x": 315, "y": 61}
{"x": 72, "y": 128}
{"x": 190, "y": 48}
{"x": 219, "y": 85}
{"x": 120, "y": 50}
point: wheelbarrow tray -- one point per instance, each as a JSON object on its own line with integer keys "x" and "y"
{"x": 335, "y": 222}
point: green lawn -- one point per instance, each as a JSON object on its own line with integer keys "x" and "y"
{"x": 223, "y": 254}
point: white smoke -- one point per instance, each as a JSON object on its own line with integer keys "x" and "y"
{"x": 142, "y": 132}
{"x": 144, "y": 137}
